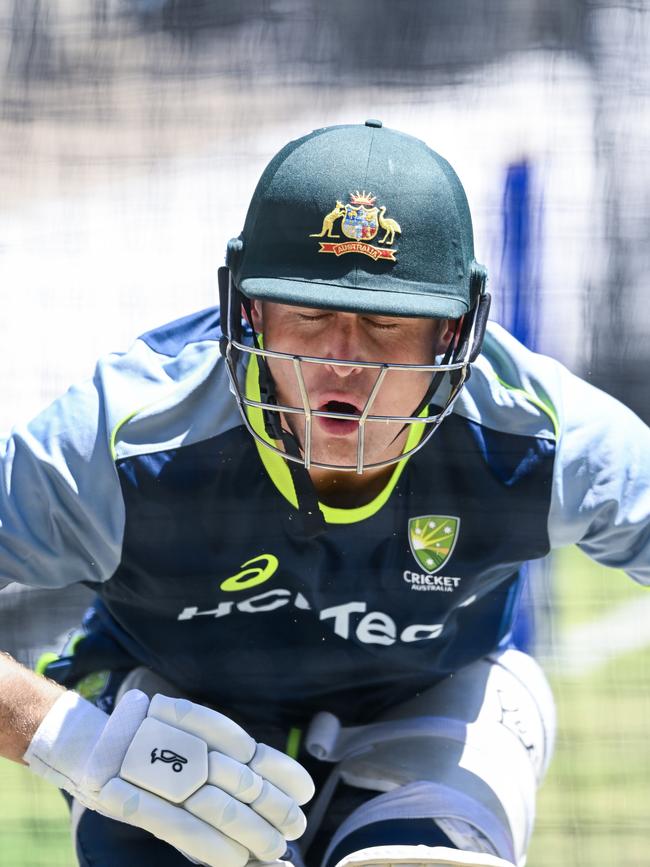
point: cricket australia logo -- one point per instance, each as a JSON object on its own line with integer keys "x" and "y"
{"x": 361, "y": 221}
{"x": 432, "y": 539}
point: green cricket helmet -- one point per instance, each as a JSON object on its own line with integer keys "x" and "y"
{"x": 357, "y": 218}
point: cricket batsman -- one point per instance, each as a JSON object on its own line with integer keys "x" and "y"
{"x": 304, "y": 516}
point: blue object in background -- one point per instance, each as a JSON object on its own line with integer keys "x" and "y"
{"x": 518, "y": 294}
{"x": 518, "y": 304}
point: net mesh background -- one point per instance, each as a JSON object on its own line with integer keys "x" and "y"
{"x": 132, "y": 133}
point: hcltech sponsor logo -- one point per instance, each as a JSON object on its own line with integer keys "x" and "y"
{"x": 350, "y": 620}
{"x": 432, "y": 539}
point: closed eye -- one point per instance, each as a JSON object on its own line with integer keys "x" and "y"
{"x": 382, "y": 326}
{"x": 311, "y": 317}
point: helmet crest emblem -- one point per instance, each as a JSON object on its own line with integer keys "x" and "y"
{"x": 361, "y": 220}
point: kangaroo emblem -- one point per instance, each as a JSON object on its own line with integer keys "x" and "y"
{"x": 329, "y": 220}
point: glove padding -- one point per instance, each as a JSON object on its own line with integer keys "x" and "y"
{"x": 187, "y": 774}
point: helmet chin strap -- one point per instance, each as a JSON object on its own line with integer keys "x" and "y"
{"x": 469, "y": 328}
{"x": 306, "y": 494}
{"x": 458, "y": 347}
{"x": 436, "y": 380}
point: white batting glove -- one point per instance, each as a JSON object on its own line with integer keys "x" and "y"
{"x": 187, "y": 774}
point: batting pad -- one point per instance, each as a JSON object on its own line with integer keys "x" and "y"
{"x": 419, "y": 856}
{"x": 467, "y": 753}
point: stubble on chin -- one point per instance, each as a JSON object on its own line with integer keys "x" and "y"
{"x": 343, "y": 451}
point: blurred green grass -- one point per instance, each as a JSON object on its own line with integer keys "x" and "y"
{"x": 33, "y": 821}
{"x": 592, "y": 808}
{"x": 584, "y": 590}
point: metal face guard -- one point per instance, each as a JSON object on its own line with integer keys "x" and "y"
{"x": 309, "y": 413}
{"x": 455, "y": 365}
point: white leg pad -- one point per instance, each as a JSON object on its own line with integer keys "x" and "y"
{"x": 468, "y": 753}
{"x": 419, "y": 856}
{"x": 484, "y": 831}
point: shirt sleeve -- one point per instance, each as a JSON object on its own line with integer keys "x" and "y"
{"x": 601, "y": 484}
{"x": 61, "y": 508}
{"x": 62, "y": 513}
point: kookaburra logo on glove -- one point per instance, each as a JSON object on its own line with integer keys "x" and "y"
{"x": 170, "y": 757}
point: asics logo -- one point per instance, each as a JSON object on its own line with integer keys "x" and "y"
{"x": 252, "y": 574}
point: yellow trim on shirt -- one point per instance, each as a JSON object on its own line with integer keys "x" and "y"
{"x": 536, "y": 402}
{"x": 280, "y": 475}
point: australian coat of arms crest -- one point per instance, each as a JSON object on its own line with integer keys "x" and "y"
{"x": 361, "y": 221}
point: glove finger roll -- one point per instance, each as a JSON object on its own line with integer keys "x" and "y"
{"x": 172, "y": 824}
{"x": 106, "y": 758}
{"x": 281, "y": 811}
{"x": 233, "y": 777}
{"x": 237, "y": 821}
{"x": 218, "y": 731}
{"x": 284, "y": 772}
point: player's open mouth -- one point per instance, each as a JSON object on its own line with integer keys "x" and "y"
{"x": 338, "y": 426}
